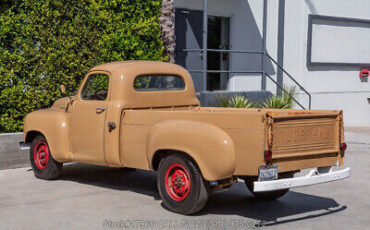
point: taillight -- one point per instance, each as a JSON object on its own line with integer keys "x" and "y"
{"x": 343, "y": 146}
{"x": 268, "y": 154}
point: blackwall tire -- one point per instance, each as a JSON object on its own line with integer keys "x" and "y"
{"x": 270, "y": 195}
{"x": 181, "y": 185}
{"x": 42, "y": 162}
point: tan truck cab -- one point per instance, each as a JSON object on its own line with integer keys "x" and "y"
{"x": 145, "y": 115}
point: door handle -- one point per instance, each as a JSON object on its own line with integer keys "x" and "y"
{"x": 99, "y": 110}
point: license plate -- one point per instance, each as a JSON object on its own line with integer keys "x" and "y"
{"x": 268, "y": 172}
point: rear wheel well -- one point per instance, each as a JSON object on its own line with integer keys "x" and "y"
{"x": 31, "y": 135}
{"x": 160, "y": 154}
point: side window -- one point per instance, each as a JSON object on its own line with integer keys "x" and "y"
{"x": 96, "y": 87}
{"x": 158, "y": 83}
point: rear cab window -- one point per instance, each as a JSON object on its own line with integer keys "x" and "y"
{"x": 159, "y": 83}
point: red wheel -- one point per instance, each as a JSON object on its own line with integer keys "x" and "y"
{"x": 41, "y": 154}
{"x": 181, "y": 185}
{"x": 43, "y": 164}
{"x": 178, "y": 182}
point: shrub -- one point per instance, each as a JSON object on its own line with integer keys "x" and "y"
{"x": 223, "y": 101}
{"x": 236, "y": 101}
{"x": 47, "y": 43}
{"x": 240, "y": 102}
{"x": 275, "y": 102}
{"x": 281, "y": 102}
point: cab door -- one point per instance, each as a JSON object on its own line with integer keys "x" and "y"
{"x": 88, "y": 119}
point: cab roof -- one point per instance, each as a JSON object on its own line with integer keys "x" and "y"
{"x": 133, "y": 64}
{"x": 123, "y": 74}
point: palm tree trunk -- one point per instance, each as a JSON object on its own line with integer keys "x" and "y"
{"x": 166, "y": 21}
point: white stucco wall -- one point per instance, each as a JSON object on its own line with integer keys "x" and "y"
{"x": 331, "y": 87}
{"x": 335, "y": 87}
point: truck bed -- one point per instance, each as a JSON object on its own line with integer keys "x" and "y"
{"x": 298, "y": 139}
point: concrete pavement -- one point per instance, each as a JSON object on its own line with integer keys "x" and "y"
{"x": 93, "y": 197}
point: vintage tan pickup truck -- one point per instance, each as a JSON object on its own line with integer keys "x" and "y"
{"x": 146, "y": 115}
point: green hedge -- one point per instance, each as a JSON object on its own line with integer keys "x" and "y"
{"x": 45, "y": 43}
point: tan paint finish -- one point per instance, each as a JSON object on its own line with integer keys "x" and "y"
{"x": 222, "y": 141}
{"x": 52, "y": 124}
{"x": 207, "y": 144}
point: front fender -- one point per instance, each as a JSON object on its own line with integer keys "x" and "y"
{"x": 210, "y": 147}
{"x": 53, "y": 125}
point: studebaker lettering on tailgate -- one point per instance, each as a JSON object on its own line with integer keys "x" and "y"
{"x": 145, "y": 115}
{"x": 315, "y": 134}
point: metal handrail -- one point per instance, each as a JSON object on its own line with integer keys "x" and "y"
{"x": 282, "y": 88}
{"x": 222, "y": 51}
{"x": 290, "y": 76}
{"x": 254, "y": 52}
{"x": 224, "y": 71}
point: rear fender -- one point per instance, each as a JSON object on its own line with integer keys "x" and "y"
{"x": 209, "y": 146}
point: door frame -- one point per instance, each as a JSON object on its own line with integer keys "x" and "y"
{"x": 80, "y": 100}
{"x": 232, "y": 37}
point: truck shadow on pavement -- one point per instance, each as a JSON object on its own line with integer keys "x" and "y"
{"x": 294, "y": 206}
{"x": 139, "y": 181}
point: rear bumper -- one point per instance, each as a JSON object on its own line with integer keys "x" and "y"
{"x": 313, "y": 177}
